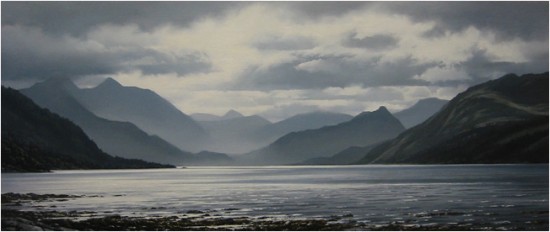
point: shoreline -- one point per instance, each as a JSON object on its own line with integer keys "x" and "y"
{"x": 16, "y": 217}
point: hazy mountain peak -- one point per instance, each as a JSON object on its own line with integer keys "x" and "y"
{"x": 65, "y": 83}
{"x": 313, "y": 115}
{"x": 381, "y": 111}
{"x": 365, "y": 129}
{"x": 109, "y": 82}
{"x": 144, "y": 108}
{"x": 420, "y": 111}
{"x": 232, "y": 114}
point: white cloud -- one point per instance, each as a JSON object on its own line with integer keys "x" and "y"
{"x": 441, "y": 74}
{"x": 319, "y": 65}
{"x": 263, "y": 36}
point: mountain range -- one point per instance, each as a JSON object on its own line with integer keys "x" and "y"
{"x": 364, "y": 129}
{"x": 119, "y": 138}
{"x": 35, "y": 139}
{"x": 231, "y": 114}
{"x": 235, "y": 133}
{"x": 307, "y": 121}
{"x": 500, "y": 121}
{"x": 410, "y": 117}
{"x": 145, "y": 109}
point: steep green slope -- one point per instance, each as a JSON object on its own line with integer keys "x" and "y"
{"x": 500, "y": 121}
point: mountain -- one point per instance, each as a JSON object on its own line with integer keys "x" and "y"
{"x": 420, "y": 111}
{"x": 35, "y": 139}
{"x": 231, "y": 114}
{"x": 365, "y": 129}
{"x": 145, "y": 109}
{"x": 209, "y": 158}
{"x": 348, "y": 156}
{"x": 500, "y": 121}
{"x": 300, "y": 122}
{"x": 234, "y": 135}
{"x": 122, "y": 139}
{"x": 204, "y": 117}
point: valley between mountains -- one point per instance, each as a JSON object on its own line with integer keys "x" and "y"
{"x": 57, "y": 125}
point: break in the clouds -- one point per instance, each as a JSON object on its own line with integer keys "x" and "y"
{"x": 276, "y": 58}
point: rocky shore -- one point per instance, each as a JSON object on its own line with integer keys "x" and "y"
{"x": 15, "y": 218}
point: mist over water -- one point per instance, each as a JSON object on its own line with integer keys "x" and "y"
{"x": 499, "y": 195}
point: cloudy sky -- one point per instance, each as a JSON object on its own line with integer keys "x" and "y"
{"x": 276, "y": 59}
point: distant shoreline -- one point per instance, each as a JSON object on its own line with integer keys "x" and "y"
{"x": 290, "y": 165}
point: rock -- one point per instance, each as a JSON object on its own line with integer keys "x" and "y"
{"x": 19, "y": 224}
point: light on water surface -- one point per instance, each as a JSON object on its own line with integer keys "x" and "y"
{"x": 461, "y": 193}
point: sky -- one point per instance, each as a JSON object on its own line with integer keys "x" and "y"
{"x": 276, "y": 59}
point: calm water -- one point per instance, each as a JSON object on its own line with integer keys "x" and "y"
{"x": 503, "y": 195}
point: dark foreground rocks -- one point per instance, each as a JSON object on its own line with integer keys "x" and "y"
{"x": 54, "y": 220}
{"x": 20, "y": 218}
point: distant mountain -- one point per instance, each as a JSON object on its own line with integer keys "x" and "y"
{"x": 300, "y": 122}
{"x": 204, "y": 117}
{"x": 500, "y": 121}
{"x": 117, "y": 138}
{"x": 420, "y": 111}
{"x": 35, "y": 139}
{"x": 212, "y": 158}
{"x": 231, "y": 114}
{"x": 365, "y": 129}
{"x": 234, "y": 135}
{"x": 145, "y": 109}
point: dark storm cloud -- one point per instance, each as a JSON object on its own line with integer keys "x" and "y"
{"x": 30, "y": 54}
{"x": 77, "y": 18}
{"x": 524, "y": 19}
{"x": 480, "y": 66}
{"x": 374, "y": 42}
{"x": 436, "y": 31}
{"x": 317, "y": 10}
{"x": 47, "y": 39}
{"x": 335, "y": 72}
{"x": 527, "y": 20}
